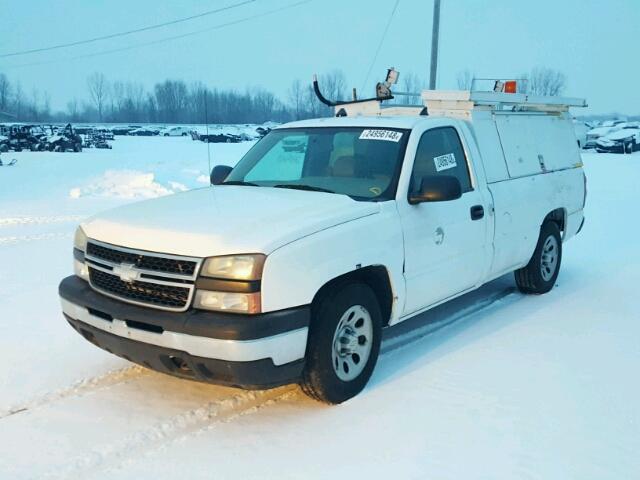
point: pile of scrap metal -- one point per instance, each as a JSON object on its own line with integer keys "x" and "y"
{"x": 97, "y": 138}
{"x": 64, "y": 140}
{"x": 37, "y": 138}
{"x": 22, "y": 137}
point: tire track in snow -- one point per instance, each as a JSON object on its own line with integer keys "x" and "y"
{"x": 17, "y": 239}
{"x": 31, "y": 220}
{"x": 162, "y": 434}
{"x": 78, "y": 389}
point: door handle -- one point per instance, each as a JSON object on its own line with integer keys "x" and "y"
{"x": 477, "y": 212}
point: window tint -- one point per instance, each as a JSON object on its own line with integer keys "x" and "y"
{"x": 283, "y": 162}
{"x": 361, "y": 162}
{"x": 440, "y": 152}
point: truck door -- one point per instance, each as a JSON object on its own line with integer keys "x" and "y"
{"x": 446, "y": 250}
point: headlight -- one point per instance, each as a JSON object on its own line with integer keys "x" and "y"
{"x": 81, "y": 270}
{"x": 79, "y": 248}
{"x": 234, "y": 267}
{"x": 228, "y": 301}
{"x": 80, "y": 240}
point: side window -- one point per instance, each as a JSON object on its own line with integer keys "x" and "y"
{"x": 440, "y": 152}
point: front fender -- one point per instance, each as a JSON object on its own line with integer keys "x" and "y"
{"x": 295, "y": 272}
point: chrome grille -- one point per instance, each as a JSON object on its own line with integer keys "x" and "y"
{"x": 142, "y": 260}
{"x": 166, "y": 282}
{"x": 143, "y": 292}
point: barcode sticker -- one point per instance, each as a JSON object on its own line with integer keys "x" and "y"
{"x": 387, "y": 135}
{"x": 445, "y": 162}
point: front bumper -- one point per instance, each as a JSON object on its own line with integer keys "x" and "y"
{"x": 615, "y": 148}
{"x": 251, "y": 351}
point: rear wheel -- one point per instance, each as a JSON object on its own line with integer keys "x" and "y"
{"x": 541, "y": 272}
{"x": 343, "y": 345}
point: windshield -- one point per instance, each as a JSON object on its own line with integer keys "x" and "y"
{"x": 363, "y": 163}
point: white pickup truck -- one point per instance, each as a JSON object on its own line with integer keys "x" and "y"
{"x": 326, "y": 232}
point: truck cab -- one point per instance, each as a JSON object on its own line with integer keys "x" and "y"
{"x": 288, "y": 268}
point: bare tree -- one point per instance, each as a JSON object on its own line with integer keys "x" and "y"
{"x": 411, "y": 83}
{"x": 99, "y": 91}
{"x": 296, "y": 99}
{"x": 544, "y": 81}
{"x": 46, "y": 105}
{"x": 18, "y": 100}
{"x": 465, "y": 79}
{"x": 34, "y": 111}
{"x": 73, "y": 109}
{"x": 171, "y": 100}
{"x": 5, "y": 92}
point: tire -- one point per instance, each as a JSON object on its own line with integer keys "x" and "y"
{"x": 346, "y": 325}
{"x": 540, "y": 274}
{"x": 628, "y": 148}
{"x": 77, "y": 148}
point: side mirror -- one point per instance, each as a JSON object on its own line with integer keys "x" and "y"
{"x": 219, "y": 174}
{"x": 439, "y": 188}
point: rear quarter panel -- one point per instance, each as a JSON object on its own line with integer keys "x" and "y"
{"x": 521, "y": 204}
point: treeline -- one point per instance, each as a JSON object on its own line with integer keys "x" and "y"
{"x": 170, "y": 101}
{"x": 175, "y": 101}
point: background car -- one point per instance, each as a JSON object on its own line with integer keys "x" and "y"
{"x": 145, "y": 131}
{"x": 176, "y": 132}
{"x": 625, "y": 140}
{"x": 595, "y": 133}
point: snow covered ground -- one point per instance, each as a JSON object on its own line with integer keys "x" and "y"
{"x": 493, "y": 385}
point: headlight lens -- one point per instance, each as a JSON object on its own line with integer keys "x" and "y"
{"x": 228, "y": 301}
{"x": 234, "y": 267}
{"x": 80, "y": 240}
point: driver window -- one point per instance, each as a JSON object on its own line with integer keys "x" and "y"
{"x": 440, "y": 152}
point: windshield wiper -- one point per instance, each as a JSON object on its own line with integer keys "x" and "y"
{"x": 310, "y": 188}
{"x": 240, "y": 182}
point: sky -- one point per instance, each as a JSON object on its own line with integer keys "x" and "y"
{"x": 594, "y": 43}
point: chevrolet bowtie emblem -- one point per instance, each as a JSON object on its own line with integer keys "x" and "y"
{"x": 126, "y": 272}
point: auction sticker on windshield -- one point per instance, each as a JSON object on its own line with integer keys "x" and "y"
{"x": 444, "y": 162}
{"x": 387, "y": 135}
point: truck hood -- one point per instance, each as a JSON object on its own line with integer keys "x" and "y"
{"x": 224, "y": 220}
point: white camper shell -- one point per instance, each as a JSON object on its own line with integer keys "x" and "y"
{"x": 326, "y": 232}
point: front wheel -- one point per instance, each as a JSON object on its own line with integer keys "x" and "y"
{"x": 628, "y": 148}
{"x": 343, "y": 345}
{"x": 541, "y": 272}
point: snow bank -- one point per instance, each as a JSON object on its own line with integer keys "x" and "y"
{"x": 128, "y": 184}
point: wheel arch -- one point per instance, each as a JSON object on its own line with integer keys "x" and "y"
{"x": 375, "y": 277}
{"x": 558, "y": 216}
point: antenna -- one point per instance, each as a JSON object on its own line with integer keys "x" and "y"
{"x": 206, "y": 121}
